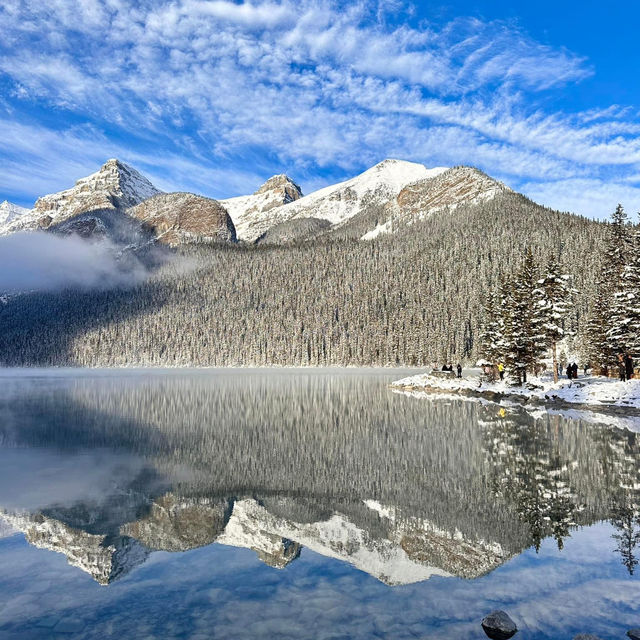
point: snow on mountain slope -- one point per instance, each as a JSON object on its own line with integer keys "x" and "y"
{"x": 9, "y": 212}
{"x": 115, "y": 186}
{"x": 247, "y": 211}
{"x": 105, "y": 559}
{"x": 425, "y": 543}
{"x": 337, "y": 203}
{"x": 253, "y": 527}
{"x": 456, "y": 186}
{"x": 6, "y": 529}
{"x": 400, "y": 549}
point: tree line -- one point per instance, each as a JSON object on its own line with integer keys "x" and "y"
{"x": 528, "y": 313}
{"x": 411, "y": 298}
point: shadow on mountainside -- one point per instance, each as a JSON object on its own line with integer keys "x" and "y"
{"x": 39, "y": 329}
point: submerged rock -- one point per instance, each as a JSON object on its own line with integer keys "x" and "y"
{"x": 634, "y": 633}
{"x": 499, "y": 626}
{"x": 586, "y": 636}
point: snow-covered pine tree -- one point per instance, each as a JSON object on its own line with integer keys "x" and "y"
{"x": 594, "y": 338}
{"x": 631, "y": 276}
{"x": 624, "y": 331}
{"x": 524, "y": 334}
{"x": 492, "y": 329}
{"x": 554, "y": 295}
{"x": 603, "y": 326}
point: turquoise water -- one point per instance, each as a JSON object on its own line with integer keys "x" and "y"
{"x": 304, "y": 504}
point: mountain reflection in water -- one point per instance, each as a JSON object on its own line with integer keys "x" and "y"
{"x": 107, "y": 469}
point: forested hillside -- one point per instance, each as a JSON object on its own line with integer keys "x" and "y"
{"x": 407, "y": 298}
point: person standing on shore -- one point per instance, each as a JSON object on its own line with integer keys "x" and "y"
{"x": 628, "y": 366}
{"x": 501, "y": 370}
{"x": 622, "y": 369}
{"x": 459, "y": 370}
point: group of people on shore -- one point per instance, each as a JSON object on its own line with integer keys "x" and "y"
{"x": 572, "y": 371}
{"x": 449, "y": 367}
{"x": 625, "y": 367}
{"x": 493, "y": 372}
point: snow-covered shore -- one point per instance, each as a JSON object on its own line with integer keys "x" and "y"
{"x": 592, "y": 391}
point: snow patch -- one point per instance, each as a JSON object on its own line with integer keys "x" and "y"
{"x": 590, "y": 390}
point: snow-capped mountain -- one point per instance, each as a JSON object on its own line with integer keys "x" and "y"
{"x": 116, "y": 186}
{"x": 250, "y": 212}
{"x": 252, "y": 526}
{"x": 118, "y": 202}
{"x": 10, "y": 212}
{"x": 104, "y": 558}
{"x": 337, "y": 203}
{"x": 400, "y": 549}
{"x": 447, "y": 190}
{"x": 392, "y": 192}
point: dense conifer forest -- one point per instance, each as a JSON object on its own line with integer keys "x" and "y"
{"x": 407, "y": 298}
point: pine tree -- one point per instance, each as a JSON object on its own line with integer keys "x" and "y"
{"x": 492, "y": 329}
{"x": 624, "y": 331}
{"x": 605, "y": 331}
{"x": 524, "y": 335}
{"x": 625, "y": 520}
{"x": 554, "y": 302}
{"x": 595, "y": 334}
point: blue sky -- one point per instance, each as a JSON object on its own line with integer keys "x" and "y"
{"x": 216, "y": 96}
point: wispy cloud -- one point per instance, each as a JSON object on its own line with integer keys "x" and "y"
{"x": 316, "y": 87}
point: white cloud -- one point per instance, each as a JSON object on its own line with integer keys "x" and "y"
{"x": 592, "y": 197}
{"x": 44, "y": 262}
{"x": 306, "y": 85}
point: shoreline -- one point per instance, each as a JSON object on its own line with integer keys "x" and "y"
{"x": 601, "y": 395}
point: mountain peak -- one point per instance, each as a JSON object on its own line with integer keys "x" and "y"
{"x": 277, "y": 191}
{"x": 10, "y": 211}
{"x": 282, "y": 184}
{"x": 115, "y": 186}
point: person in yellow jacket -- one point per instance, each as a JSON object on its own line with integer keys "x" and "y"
{"x": 501, "y": 370}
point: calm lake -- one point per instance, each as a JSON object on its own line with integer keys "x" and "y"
{"x": 305, "y": 504}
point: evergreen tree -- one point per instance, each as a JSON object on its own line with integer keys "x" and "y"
{"x": 624, "y": 331}
{"x": 524, "y": 335}
{"x": 605, "y": 327}
{"x": 492, "y": 329}
{"x": 395, "y": 300}
{"x": 595, "y": 339}
{"x": 625, "y": 520}
{"x": 554, "y": 300}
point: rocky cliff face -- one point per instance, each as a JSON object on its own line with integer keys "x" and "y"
{"x": 119, "y": 203}
{"x": 179, "y": 524}
{"x": 249, "y": 212}
{"x": 418, "y": 200}
{"x": 182, "y": 218}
